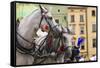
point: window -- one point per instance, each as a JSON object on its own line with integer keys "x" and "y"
{"x": 57, "y": 21}
{"x": 65, "y": 17}
{"x": 58, "y": 10}
{"x": 82, "y": 46}
{"x": 94, "y": 43}
{"x": 72, "y": 26}
{"x": 73, "y": 29}
{"x": 81, "y": 18}
{"x": 93, "y": 12}
{"x": 72, "y": 18}
{"x": 81, "y": 29}
{"x": 93, "y": 27}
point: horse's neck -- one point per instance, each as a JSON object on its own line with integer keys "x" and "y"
{"x": 29, "y": 24}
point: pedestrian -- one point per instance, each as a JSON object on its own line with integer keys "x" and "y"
{"x": 80, "y": 41}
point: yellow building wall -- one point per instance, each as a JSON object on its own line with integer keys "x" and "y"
{"x": 91, "y": 20}
{"x": 77, "y": 13}
{"x": 89, "y": 51}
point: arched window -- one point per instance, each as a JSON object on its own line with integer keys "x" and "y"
{"x": 93, "y": 13}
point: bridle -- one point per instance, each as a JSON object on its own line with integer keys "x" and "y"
{"x": 24, "y": 50}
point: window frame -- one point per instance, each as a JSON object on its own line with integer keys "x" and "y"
{"x": 81, "y": 18}
{"x": 93, "y": 13}
{"x": 94, "y": 42}
{"x": 82, "y": 29}
{"x": 93, "y": 27}
{"x": 72, "y": 17}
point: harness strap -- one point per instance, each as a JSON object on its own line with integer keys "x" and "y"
{"x": 55, "y": 26}
{"x": 24, "y": 38}
{"x": 40, "y": 21}
{"x": 19, "y": 46}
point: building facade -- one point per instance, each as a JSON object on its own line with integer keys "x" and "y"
{"x": 91, "y": 26}
{"x": 59, "y": 13}
{"x": 82, "y": 21}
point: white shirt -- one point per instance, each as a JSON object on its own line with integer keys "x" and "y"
{"x": 41, "y": 36}
{"x": 40, "y": 33}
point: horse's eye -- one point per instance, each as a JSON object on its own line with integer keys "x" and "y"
{"x": 50, "y": 18}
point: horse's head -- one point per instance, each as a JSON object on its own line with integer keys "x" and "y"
{"x": 49, "y": 19}
{"x": 67, "y": 36}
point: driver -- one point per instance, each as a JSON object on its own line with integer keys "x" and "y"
{"x": 42, "y": 33}
{"x": 43, "y": 30}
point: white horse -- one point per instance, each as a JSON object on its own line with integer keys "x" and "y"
{"x": 26, "y": 32}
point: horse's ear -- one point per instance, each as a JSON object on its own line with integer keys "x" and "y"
{"x": 42, "y": 8}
